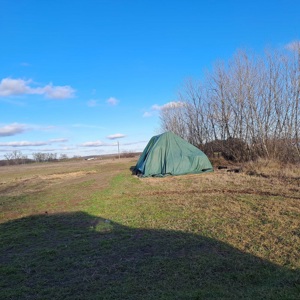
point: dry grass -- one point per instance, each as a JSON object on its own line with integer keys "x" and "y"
{"x": 91, "y": 224}
{"x": 274, "y": 169}
{"x": 255, "y": 214}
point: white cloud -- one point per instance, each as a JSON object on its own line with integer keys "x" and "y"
{"x": 112, "y": 101}
{"x": 147, "y": 114}
{"x": 13, "y": 129}
{"x": 134, "y": 143}
{"x": 169, "y": 105}
{"x": 156, "y": 108}
{"x": 94, "y": 144}
{"x": 58, "y": 92}
{"x": 30, "y": 144}
{"x": 116, "y": 136}
{"x": 58, "y": 140}
{"x": 11, "y": 87}
{"x": 23, "y": 144}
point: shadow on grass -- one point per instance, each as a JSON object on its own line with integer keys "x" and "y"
{"x": 79, "y": 256}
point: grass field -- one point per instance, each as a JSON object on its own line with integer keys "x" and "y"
{"x": 92, "y": 230}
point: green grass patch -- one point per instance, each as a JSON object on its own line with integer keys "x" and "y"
{"x": 105, "y": 234}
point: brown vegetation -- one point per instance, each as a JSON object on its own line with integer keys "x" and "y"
{"x": 246, "y": 109}
{"x": 80, "y": 227}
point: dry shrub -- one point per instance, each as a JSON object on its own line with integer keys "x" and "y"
{"x": 232, "y": 149}
{"x": 128, "y": 154}
{"x": 219, "y": 161}
{"x": 284, "y": 150}
{"x": 272, "y": 168}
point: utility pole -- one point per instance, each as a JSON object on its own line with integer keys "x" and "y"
{"x": 119, "y": 149}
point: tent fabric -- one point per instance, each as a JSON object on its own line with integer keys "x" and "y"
{"x": 169, "y": 154}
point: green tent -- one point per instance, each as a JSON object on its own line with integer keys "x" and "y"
{"x": 169, "y": 154}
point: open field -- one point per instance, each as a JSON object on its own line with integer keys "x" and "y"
{"x": 91, "y": 230}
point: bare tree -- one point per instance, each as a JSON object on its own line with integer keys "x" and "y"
{"x": 15, "y": 158}
{"x": 248, "y": 107}
{"x": 63, "y": 156}
{"x": 173, "y": 119}
{"x": 39, "y": 156}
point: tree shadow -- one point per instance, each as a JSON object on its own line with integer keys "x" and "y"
{"x": 79, "y": 256}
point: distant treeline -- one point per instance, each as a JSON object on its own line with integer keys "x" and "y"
{"x": 17, "y": 158}
{"x": 245, "y": 109}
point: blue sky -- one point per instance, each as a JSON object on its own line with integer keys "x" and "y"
{"x": 78, "y": 76}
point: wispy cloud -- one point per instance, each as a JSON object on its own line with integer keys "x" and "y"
{"x": 23, "y": 144}
{"x": 134, "y": 143}
{"x": 58, "y": 140}
{"x": 13, "y": 129}
{"x": 31, "y": 144}
{"x": 95, "y": 144}
{"x": 47, "y": 128}
{"x": 116, "y": 136}
{"x": 17, "y": 128}
{"x": 147, "y": 114}
{"x": 58, "y": 92}
{"x": 169, "y": 105}
{"x": 93, "y": 103}
{"x": 112, "y": 101}
{"x": 14, "y": 87}
{"x": 157, "y": 108}
{"x": 96, "y": 102}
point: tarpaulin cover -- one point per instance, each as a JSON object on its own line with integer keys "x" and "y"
{"x": 169, "y": 154}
